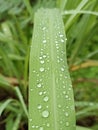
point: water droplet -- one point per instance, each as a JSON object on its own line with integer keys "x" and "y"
{"x": 40, "y": 93}
{"x": 41, "y": 69}
{"x": 30, "y": 119}
{"x": 67, "y": 107}
{"x": 31, "y": 89}
{"x": 40, "y": 57}
{"x": 59, "y": 106}
{"x": 44, "y": 56}
{"x": 61, "y": 35}
{"x": 41, "y": 128}
{"x": 36, "y": 126}
{"x": 48, "y": 124}
{"x": 46, "y": 99}
{"x": 62, "y": 40}
{"x": 66, "y": 114}
{"x": 66, "y": 96}
{"x": 42, "y": 61}
{"x": 62, "y": 69}
{"x": 65, "y": 39}
{"x": 45, "y": 113}
{"x": 63, "y": 86}
{"x": 44, "y": 41}
{"x": 67, "y": 123}
{"x": 39, "y": 85}
{"x": 43, "y": 28}
{"x": 33, "y": 126}
{"x": 64, "y": 92}
{"x": 61, "y": 122}
{"x": 39, "y": 106}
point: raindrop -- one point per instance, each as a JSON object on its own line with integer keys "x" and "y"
{"x": 33, "y": 126}
{"x": 40, "y": 57}
{"x": 59, "y": 106}
{"x": 61, "y": 35}
{"x": 62, "y": 40}
{"x": 39, "y": 85}
{"x": 39, "y": 106}
{"x": 64, "y": 92}
{"x": 69, "y": 88}
{"x": 42, "y": 61}
{"x": 44, "y": 56}
{"x": 41, "y": 128}
{"x": 66, "y": 114}
{"x": 43, "y": 28}
{"x": 37, "y": 126}
{"x": 67, "y": 123}
{"x": 66, "y": 96}
{"x": 44, "y": 41}
{"x": 40, "y": 93}
{"x": 62, "y": 69}
{"x": 46, "y": 99}
{"x": 48, "y": 124}
{"x": 65, "y": 39}
{"x": 61, "y": 122}
{"x": 41, "y": 69}
{"x": 31, "y": 89}
{"x": 30, "y": 119}
{"x": 45, "y": 114}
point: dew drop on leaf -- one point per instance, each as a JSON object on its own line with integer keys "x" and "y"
{"x": 45, "y": 114}
{"x": 41, "y": 69}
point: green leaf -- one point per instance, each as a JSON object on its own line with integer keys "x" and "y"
{"x": 51, "y": 102}
{"x": 4, "y": 105}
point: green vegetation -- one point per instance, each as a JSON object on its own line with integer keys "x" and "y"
{"x": 81, "y": 26}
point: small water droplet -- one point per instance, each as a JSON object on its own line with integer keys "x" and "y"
{"x": 43, "y": 28}
{"x": 66, "y": 114}
{"x": 48, "y": 124}
{"x": 39, "y": 85}
{"x": 33, "y": 126}
{"x": 45, "y": 114}
{"x": 44, "y": 56}
{"x": 67, "y": 123}
{"x": 59, "y": 106}
{"x": 44, "y": 41}
{"x": 61, "y": 35}
{"x": 41, "y": 69}
{"x": 64, "y": 92}
{"x": 40, "y": 93}
{"x": 66, "y": 96}
{"x": 42, "y": 61}
{"x": 65, "y": 39}
{"x": 62, "y": 40}
{"x": 36, "y": 126}
{"x": 39, "y": 106}
{"x": 46, "y": 99}
{"x": 31, "y": 89}
{"x": 62, "y": 69}
{"x": 40, "y": 57}
{"x": 41, "y": 128}
{"x": 30, "y": 119}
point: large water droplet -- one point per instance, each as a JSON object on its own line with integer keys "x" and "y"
{"x": 42, "y": 69}
{"x": 46, "y": 99}
{"x": 45, "y": 114}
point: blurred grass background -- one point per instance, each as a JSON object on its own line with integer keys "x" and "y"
{"x": 16, "y": 26}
